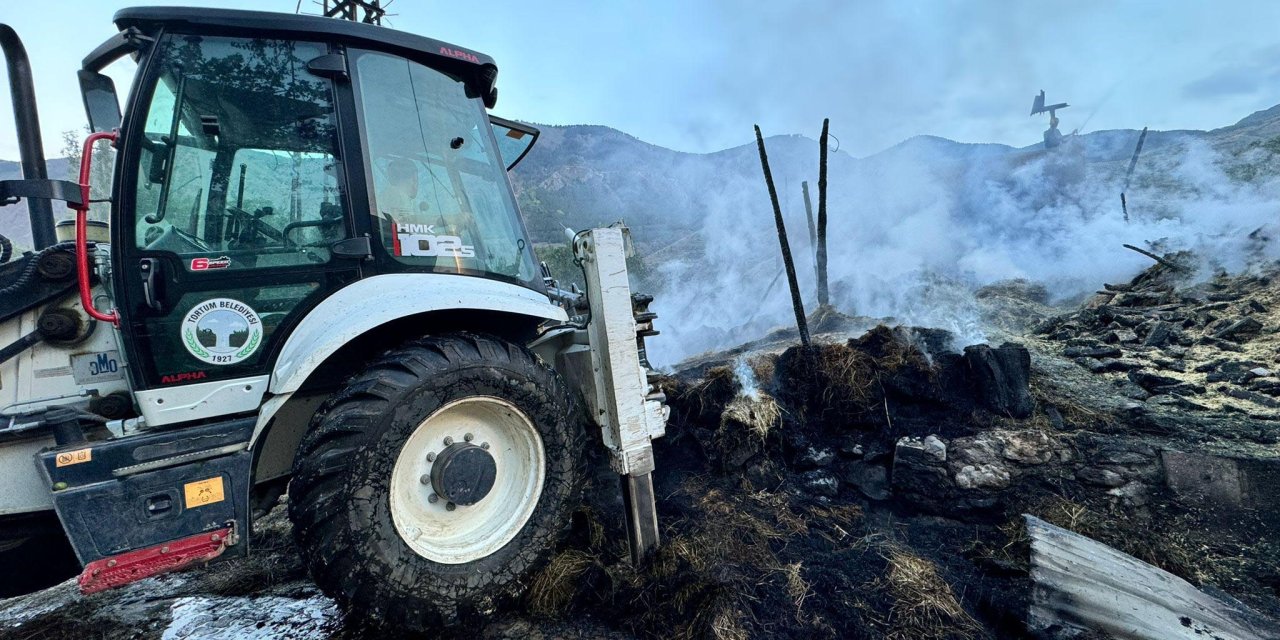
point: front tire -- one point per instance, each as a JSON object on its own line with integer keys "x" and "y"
{"x": 361, "y": 499}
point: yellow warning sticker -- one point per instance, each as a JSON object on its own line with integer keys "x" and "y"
{"x": 204, "y": 492}
{"x": 68, "y": 458}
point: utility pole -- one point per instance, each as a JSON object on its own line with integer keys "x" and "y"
{"x": 801, "y": 323}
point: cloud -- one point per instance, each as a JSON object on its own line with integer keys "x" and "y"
{"x": 1240, "y": 75}
{"x": 1225, "y": 82}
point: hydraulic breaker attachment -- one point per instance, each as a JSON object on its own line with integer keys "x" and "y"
{"x": 620, "y": 397}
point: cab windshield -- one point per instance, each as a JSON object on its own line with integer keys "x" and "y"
{"x": 441, "y": 200}
{"x": 238, "y": 162}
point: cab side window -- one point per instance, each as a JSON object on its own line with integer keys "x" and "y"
{"x": 441, "y": 200}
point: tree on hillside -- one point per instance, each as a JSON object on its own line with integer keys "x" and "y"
{"x": 104, "y": 159}
{"x": 72, "y": 141}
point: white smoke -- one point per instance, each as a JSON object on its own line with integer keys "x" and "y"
{"x": 914, "y": 231}
{"x": 746, "y": 378}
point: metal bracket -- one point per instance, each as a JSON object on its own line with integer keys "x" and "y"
{"x": 329, "y": 65}
{"x": 115, "y": 47}
{"x": 11, "y": 191}
{"x": 358, "y": 248}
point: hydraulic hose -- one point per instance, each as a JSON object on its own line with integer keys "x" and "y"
{"x": 29, "y": 271}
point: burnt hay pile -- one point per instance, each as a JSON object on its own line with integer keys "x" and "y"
{"x": 873, "y": 488}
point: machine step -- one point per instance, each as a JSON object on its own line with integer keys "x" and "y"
{"x": 132, "y": 566}
{"x": 119, "y": 496}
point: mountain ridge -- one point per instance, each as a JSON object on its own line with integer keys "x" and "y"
{"x": 583, "y": 175}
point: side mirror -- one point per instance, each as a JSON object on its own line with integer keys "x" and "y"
{"x": 100, "y": 102}
{"x": 515, "y": 139}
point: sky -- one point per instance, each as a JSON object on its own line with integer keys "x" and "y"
{"x": 696, "y": 75}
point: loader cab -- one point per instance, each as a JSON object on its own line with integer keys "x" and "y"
{"x": 266, "y": 163}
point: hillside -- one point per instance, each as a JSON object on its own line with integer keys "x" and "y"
{"x": 583, "y": 175}
{"x": 913, "y": 227}
{"x": 580, "y": 176}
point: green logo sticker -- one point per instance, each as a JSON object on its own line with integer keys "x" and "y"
{"x": 221, "y": 331}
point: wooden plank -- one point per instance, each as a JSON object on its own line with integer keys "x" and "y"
{"x": 1082, "y": 584}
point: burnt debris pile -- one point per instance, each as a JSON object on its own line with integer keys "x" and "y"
{"x": 776, "y": 479}
{"x": 1188, "y": 357}
{"x": 877, "y": 487}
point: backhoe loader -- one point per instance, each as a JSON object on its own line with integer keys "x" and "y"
{"x": 305, "y": 271}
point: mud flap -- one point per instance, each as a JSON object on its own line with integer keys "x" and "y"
{"x": 171, "y": 497}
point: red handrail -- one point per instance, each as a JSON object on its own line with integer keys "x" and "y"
{"x": 82, "y": 217}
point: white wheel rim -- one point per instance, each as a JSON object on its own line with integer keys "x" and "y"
{"x": 468, "y": 533}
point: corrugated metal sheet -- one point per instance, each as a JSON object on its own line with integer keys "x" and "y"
{"x": 1082, "y": 584}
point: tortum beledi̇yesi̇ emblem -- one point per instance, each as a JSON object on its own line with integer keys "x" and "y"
{"x": 222, "y": 331}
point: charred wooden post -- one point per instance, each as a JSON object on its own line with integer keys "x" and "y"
{"x": 787, "y": 263}
{"x": 1133, "y": 162}
{"x": 808, "y": 214}
{"x": 821, "y": 257}
{"x": 767, "y": 290}
{"x": 1171, "y": 265}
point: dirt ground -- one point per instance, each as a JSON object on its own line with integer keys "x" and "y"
{"x": 871, "y": 486}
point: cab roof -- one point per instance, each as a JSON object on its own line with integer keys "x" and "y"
{"x": 306, "y": 27}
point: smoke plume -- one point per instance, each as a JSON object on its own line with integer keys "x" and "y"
{"x": 916, "y": 229}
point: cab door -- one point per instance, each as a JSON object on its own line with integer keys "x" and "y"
{"x": 234, "y": 218}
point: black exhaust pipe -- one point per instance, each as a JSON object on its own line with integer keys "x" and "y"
{"x": 27, "y": 121}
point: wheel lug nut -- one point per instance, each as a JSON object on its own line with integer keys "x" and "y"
{"x": 433, "y": 498}
{"x": 484, "y": 445}
{"x": 425, "y": 479}
{"x": 431, "y": 457}
{"x": 448, "y": 440}
{"x": 449, "y": 506}
{"x": 469, "y": 437}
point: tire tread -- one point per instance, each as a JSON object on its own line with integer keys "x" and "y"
{"x": 325, "y": 493}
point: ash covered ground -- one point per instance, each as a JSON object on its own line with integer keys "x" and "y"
{"x": 872, "y": 486}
